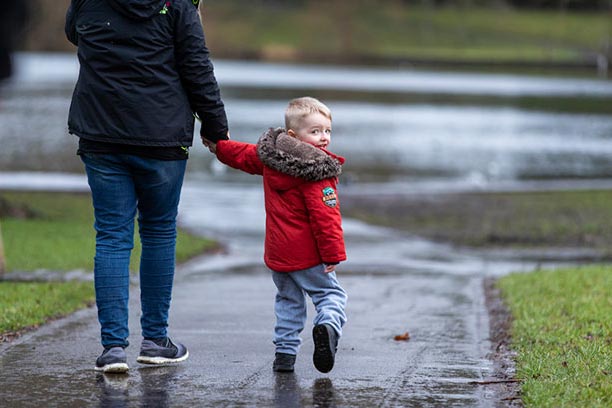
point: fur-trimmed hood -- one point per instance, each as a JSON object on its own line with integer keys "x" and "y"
{"x": 290, "y": 156}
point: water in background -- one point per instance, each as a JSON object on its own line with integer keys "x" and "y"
{"x": 385, "y": 140}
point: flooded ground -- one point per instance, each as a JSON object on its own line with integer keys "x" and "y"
{"x": 383, "y": 141}
{"x": 396, "y": 282}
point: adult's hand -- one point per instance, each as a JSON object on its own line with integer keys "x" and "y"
{"x": 212, "y": 146}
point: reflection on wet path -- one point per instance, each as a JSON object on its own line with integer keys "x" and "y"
{"x": 114, "y": 390}
{"x": 286, "y": 391}
{"x": 323, "y": 393}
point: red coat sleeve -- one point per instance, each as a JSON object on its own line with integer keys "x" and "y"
{"x": 321, "y": 198}
{"x": 239, "y": 155}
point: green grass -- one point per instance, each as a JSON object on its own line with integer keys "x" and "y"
{"x": 60, "y": 235}
{"x": 523, "y": 219}
{"x": 395, "y": 30}
{"x": 562, "y": 332}
{"x": 27, "y": 304}
{"x": 54, "y": 231}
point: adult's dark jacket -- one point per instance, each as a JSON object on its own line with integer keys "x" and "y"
{"x": 145, "y": 70}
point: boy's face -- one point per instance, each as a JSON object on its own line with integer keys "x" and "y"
{"x": 314, "y": 129}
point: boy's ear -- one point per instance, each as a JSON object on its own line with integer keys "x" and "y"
{"x": 291, "y": 133}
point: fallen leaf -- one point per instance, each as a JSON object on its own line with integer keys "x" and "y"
{"x": 402, "y": 337}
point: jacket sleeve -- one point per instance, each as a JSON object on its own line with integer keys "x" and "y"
{"x": 197, "y": 73}
{"x": 70, "y": 26}
{"x": 321, "y": 198}
{"x": 239, "y": 155}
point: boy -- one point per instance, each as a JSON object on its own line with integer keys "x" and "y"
{"x": 304, "y": 240}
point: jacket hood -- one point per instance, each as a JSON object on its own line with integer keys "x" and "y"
{"x": 138, "y": 9}
{"x": 296, "y": 159}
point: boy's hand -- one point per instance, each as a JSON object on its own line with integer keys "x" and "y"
{"x": 212, "y": 146}
{"x": 330, "y": 268}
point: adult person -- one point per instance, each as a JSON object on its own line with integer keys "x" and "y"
{"x": 144, "y": 73}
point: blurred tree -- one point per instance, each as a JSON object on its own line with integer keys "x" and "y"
{"x": 342, "y": 10}
{"x": 47, "y": 34}
{"x": 564, "y": 4}
{"x": 533, "y": 4}
{"x": 46, "y": 29}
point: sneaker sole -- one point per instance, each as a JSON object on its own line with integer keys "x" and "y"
{"x": 161, "y": 360}
{"x": 283, "y": 369}
{"x": 115, "y": 368}
{"x": 322, "y": 358}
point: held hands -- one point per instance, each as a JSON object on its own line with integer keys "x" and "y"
{"x": 212, "y": 146}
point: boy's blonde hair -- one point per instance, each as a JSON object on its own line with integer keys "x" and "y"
{"x": 301, "y": 107}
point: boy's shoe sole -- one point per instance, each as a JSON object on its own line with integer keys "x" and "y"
{"x": 115, "y": 368}
{"x": 324, "y": 355}
{"x": 161, "y": 360}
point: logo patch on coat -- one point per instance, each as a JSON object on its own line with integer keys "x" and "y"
{"x": 164, "y": 10}
{"x": 329, "y": 197}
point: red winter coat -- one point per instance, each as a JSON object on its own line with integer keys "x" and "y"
{"x": 303, "y": 221}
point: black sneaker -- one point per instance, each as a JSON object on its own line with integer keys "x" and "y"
{"x": 112, "y": 360}
{"x": 325, "y": 343}
{"x": 161, "y": 351}
{"x": 283, "y": 363}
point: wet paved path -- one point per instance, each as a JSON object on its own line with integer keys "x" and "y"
{"x": 222, "y": 309}
{"x": 227, "y": 320}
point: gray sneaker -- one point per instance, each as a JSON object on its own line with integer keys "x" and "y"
{"x": 161, "y": 351}
{"x": 112, "y": 360}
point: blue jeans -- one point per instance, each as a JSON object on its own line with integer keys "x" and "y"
{"x": 120, "y": 186}
{"x": 327, "y": 296}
